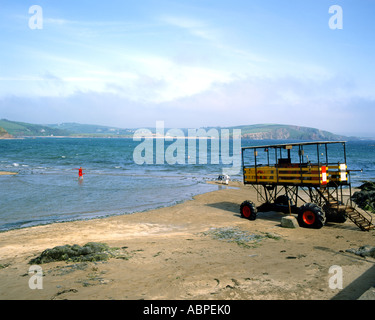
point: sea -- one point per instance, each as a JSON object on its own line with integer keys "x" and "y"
{"x": 47, "y": 188}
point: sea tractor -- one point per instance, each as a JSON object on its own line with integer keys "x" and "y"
{"x": 309, "y": 179}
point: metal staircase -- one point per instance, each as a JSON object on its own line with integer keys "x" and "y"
{"x": 357, "y": 216}
{"x": 359, "y": 219}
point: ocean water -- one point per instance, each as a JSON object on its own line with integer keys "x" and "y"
{"x": 47, "y": 188}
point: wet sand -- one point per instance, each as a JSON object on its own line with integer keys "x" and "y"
{"x": 169, "y": 253}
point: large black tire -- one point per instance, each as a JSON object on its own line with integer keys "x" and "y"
{"x": 310, "y": 215}
{"x": 248, "y": 210}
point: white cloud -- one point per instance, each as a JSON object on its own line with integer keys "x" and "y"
{"x": 135, "y": 81}
{"x": 193, "y": 26}
{"x": 180, "y": 81}
{"x": 245, "y": 101}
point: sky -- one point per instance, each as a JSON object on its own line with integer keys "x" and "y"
{"x": 190, "y": 63}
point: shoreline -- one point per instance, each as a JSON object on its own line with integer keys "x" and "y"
{"x": 171, "y": 254}
{"x": 106, "y": 214}
{"x": 6, "y": 173}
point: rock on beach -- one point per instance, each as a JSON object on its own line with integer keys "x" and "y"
{"x": 365, "y": 198}
{"x": 289, "y": 222}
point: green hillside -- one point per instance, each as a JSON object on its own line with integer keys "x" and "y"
{"x": 22, "y": 129}
{"x": 255, "y": 132}
{"x": 77, "y": 129}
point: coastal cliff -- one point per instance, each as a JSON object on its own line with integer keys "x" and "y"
{"x": 254, "y": 131}
{"x": 285, "y": 132}
{"x": 4, "y": 134}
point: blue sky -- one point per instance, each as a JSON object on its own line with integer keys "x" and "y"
{"x": 190, "y": 63}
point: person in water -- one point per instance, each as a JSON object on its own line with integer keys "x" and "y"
{"x": 80, "y": 172}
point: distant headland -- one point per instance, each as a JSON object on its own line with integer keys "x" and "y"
{"x": 14, "y": 129}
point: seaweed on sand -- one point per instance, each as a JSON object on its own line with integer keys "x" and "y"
{"x": 236, "y": 235}
{"x": 92, "y": 251}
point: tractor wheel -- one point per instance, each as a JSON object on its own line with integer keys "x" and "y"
{"x": 248, "y": 210}
{"x": 311, "y": 215}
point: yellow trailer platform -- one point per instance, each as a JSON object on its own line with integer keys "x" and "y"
{"x": 281, "y": 172}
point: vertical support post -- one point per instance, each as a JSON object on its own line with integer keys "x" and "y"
{"x": 277, "y": 167}
{"x": 310, "y": 193}
{"x": 295, "y": 203}
{"x": 349, "y": 179}
{"x": 350, "y": 189}
{"x": 317, "y": 150}
{"x": 287, "y": 196}
{"x": 265, "y": 192}
{"x": 300, "y": 148}
{"x": 341, "y": 196}
{"x": 243, "y": 166}
{"x": 255, "y": 163}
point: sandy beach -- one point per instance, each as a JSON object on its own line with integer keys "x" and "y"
{"x": 171, "y": 253}
{"x": 6, "y": 173}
